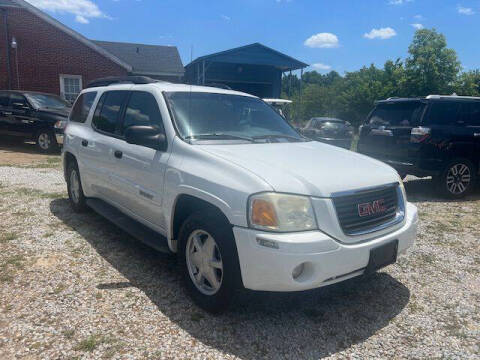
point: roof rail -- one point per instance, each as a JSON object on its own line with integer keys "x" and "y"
{"x": 454, "y": 96}
{"x": 111, "y": 80}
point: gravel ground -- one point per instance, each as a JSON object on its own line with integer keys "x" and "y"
{"x": 74, "y": 286}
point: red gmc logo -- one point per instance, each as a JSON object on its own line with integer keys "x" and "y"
{"x": 372, "y": 208}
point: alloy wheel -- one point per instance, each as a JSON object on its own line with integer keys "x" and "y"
{"x": 458, "y": 179}
{"x": 44, "y": 141}
{"x": 204, "y": 262}
{"x": 74, "y": 186}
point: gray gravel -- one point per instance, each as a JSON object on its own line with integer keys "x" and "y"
{"x": 74, "y": 286}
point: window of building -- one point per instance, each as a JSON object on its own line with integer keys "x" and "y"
{"x": 142, "y": 109}
{"x": 70, "y": 86}
{"x": 82, "y": 107}
{"x": 108, "y": 111}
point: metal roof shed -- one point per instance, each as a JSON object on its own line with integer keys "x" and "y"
{"x": 255, "y": 69}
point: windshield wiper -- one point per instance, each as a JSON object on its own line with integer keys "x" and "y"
{"x": 218, "y": 136}
{"x": 278, "y": 136}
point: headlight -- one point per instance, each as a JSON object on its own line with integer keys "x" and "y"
{"x": 60, "y": 124}
{"x": 281, "y": 212}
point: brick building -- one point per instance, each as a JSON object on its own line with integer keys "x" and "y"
{"x": 38, "y": 53}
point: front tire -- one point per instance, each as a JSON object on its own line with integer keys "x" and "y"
{"x": 457, "y": 179}
{"x": 209, "y": 260}
{"x": 46, "y": 141}
{"x": 75, "y": 190}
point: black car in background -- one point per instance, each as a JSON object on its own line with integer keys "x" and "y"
{"x": 330, "y": 131}
{"x": 34, "y": 116}
{"x": 436, "y": 136}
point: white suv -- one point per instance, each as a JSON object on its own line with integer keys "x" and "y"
{"x": 221, "y": 179}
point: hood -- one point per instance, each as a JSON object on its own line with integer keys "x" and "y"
{"x": 65, "y": 112}
{"x": 307, "y": 168}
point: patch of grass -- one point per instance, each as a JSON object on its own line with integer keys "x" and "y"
{"x": 68, "y": 334}
{"x": 9, "y": 266}
{"x": 39, "y": 194}
{"x": 6, "y": 237}
{"x": 90, "y": 343}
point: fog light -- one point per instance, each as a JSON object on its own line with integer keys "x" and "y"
{"x": 298, "y": 271}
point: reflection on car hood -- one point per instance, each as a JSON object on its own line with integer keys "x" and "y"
{"x": 308, "y": 168}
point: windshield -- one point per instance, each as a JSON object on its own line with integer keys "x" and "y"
{"x": 397, "y": 114}
{"x": 228, "y": 117}
{"x": 46, "y": 101}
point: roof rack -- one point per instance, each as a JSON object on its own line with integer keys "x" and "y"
{"x": 111, "y": 80}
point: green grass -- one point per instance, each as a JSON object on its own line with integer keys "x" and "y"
{"x": 6, "y": 237}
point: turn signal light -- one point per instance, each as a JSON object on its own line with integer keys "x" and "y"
{"x": 263, "y": 213}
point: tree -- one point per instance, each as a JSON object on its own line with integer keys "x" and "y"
{"x": 431, "y": 68}
{"x": 468, "y": 83}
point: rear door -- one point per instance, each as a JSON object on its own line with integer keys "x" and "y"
{"x": 386, "y": 134}
{"x": 97, "y": 151}
{"x": 443, "y": 117}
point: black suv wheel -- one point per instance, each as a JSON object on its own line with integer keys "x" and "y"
{"x": 209, "y": 260}
{"x": 457, "y": 179}
{"x": 46, "y": 141}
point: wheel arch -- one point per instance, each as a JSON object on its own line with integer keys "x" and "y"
{"x": 186, "y": 204}
{"x": 68, "y": 159}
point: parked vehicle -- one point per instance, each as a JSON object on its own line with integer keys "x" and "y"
{"x": 222, "y": 180}
{"x": 34, "y": 116}
{"x": 330, "y": 131}
{"x": 435, "y": 136}
{"x": 279, "y": 105}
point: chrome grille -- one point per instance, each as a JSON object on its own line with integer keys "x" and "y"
{"x": 366, "y": 210}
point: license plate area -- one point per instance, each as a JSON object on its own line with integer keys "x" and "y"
{"x": 381, "y": 256}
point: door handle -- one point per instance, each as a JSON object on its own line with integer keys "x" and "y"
{"x": 7, "y": 113}
{"x": 118, "y": 154}
{"x": 84, "y": 143}
{"x": 476, "y": 134}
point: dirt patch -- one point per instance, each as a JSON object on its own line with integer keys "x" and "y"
{"x": 25, "y": 154}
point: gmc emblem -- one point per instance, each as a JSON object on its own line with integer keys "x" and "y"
{"x": 372, "y": 208}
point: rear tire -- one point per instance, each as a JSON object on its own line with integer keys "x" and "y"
{"x": 457, "y": 179}
{"x": 46, "y": 141}
{"x": 209, "y": 260}
{"x": 75, "y": 190}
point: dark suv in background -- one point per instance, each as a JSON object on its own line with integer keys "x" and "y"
{"x": 34, "y": 116}
{"x": 436, "y": 136}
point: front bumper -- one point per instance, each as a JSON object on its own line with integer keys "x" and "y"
{"x": 326, "y": 261}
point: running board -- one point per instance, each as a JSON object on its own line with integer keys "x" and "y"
{"x": 130, "y": 226}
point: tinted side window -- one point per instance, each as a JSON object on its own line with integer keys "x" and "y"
{"x": 3, "y": 99}
{"x": 443, "y": 113}
{"x": 397, "y": 114}
{"x": 18, "y": 99}
{"x": 471, "y": 113}
{"x": 106, "y": 119}
{"x": 142, "y": 109}
{"x": 82, "y": 107}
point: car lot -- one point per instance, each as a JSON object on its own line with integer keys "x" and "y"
{"x": 76, "y": 286}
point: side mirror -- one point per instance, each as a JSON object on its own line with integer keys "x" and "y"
{"x": 147, "y": 136}
{"x": 20, "y": 106}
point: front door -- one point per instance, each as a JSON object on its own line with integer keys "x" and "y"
{"x": 139, "y": 171}
{"x": 4, "y": 112}
{"x": 22, "y": 121}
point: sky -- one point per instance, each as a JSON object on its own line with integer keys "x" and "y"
{"x": 340, "y": 35}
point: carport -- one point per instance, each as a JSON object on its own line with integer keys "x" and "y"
{"x": 255, "y": 69}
